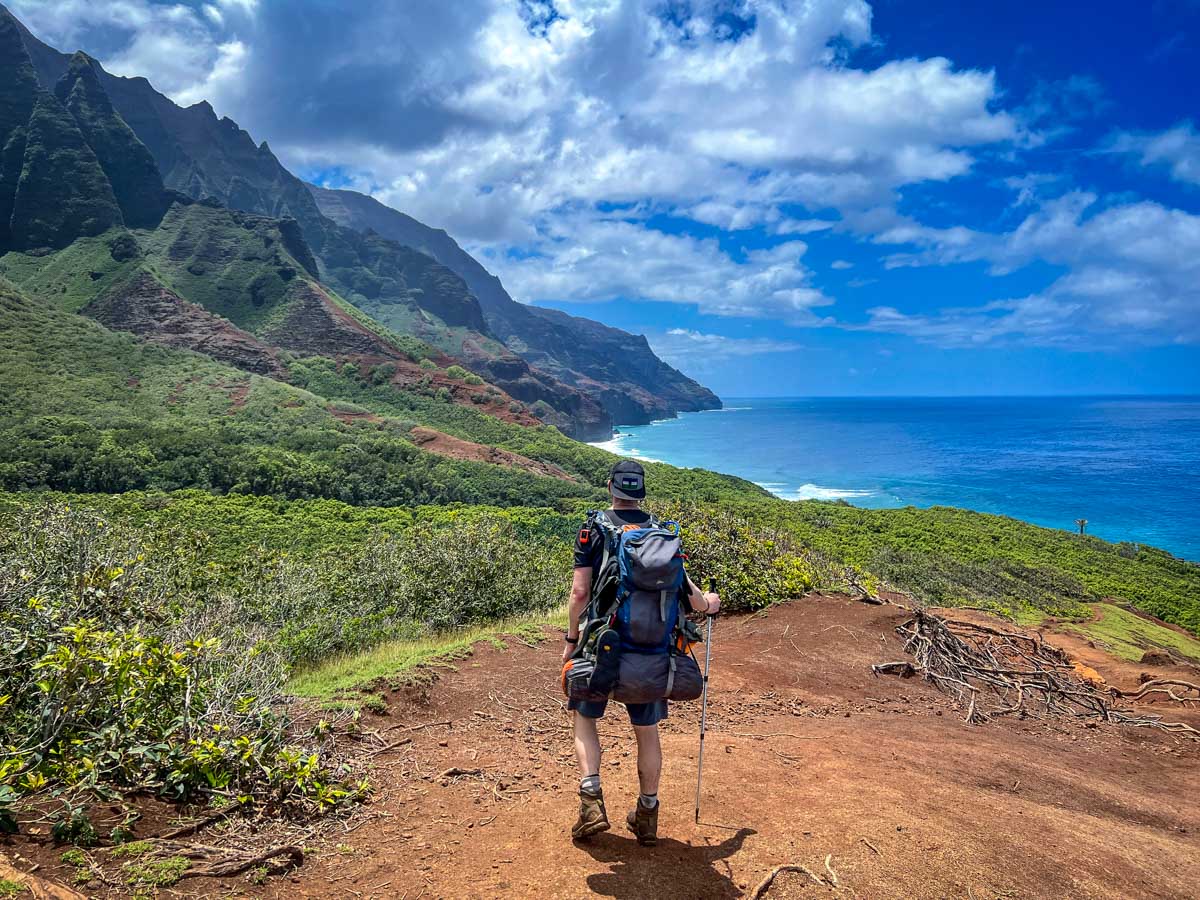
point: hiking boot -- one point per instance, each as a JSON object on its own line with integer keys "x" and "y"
{"x": 592, "y": 817}
{"x": 643, "y": 823}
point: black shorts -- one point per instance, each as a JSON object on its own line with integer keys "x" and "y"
{"x": 639, "y": 713}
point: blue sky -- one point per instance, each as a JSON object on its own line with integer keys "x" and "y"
{"x": 830, "y": 197}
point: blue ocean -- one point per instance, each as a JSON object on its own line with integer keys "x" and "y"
{"x": 1129, "y": 465}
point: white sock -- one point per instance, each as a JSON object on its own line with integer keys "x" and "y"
{"x": 648, "y": 801}
{"x": 590, "y": 784}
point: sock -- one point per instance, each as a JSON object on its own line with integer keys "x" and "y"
{"x": 590, "y": 784}
{"x": 648, "y": 801}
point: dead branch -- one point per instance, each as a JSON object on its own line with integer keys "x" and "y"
{"x": 404, "y": 728}
{"x": 833, "y": 879}
{"x": 199, "y": 824}
{"x": 236, "y": 864}
{"x": 1162, "y": 686}
{"x": 765, "y": 884}
{"x": 995, "y": 672}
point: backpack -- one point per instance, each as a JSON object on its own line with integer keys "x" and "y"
{"x": 633, "y": 641}
{"x": 645, "y": 563}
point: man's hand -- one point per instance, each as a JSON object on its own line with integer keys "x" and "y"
{"x": 568, "y": 650}
{"x": 713, "y": 599}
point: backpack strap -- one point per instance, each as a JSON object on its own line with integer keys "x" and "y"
{"x": 611, "y": 535}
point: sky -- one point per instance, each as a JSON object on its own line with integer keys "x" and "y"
{"x": 829, "y": 197}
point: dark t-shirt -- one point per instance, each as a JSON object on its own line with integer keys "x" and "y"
{"x": 589, "y": 543}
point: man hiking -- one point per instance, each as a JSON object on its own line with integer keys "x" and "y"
{"x": 627, "y": 488}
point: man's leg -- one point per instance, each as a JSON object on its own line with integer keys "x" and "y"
{"x": 643, "y": 821}
{"x": 649, "y": 758}
{"x": 593, "y": 818}
{"x": 587, "y": 745}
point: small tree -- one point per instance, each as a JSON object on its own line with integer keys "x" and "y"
{"x": 1082, "y": 525}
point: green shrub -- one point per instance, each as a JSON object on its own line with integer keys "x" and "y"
{"x": 108, "y": 680}
{"x": 458, "y": 373}
{"x": 753, "y": 565}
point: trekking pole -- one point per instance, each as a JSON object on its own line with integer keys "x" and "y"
{"x": 712, "y": 586}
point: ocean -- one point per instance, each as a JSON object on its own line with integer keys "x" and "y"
{"x": 1129, "y": 465}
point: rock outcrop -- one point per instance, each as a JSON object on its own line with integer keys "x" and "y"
{"x": 146, "y": 308}
{"x": 52, "y": 187}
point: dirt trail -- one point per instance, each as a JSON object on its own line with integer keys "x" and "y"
{"x": 809, "y": 757}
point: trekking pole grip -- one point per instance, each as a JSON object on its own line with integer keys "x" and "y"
{"x": 712, "y": 589}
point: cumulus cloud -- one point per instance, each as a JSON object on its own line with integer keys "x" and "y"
{"x": 591, "y": 258}
{"x": 1178, "y": 149}
{"x": 554, "y": 137}
{"x": 697, "y": 351}
{"x": 520, "y": 126}
{"x": 1133, "y": 275}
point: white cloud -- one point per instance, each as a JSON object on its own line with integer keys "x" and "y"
{"x": 1133, "y": 276}
{"x": 841, "y": 264}
{"x": 552, "y": 137}
{"x": 592, "y": 258}
{"x": 187, "y": 53}
{"x": 698, "y": 352}
{"x": 1177, "y": 148}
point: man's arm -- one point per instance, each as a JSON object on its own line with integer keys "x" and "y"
{"x": 707, "y": 603}
{"x": 581, "y": 593}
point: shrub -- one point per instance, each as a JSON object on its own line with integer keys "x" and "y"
{"x": 458, "y": 373}
{"x": 753, "y": 565}
{"x": 107, "y": 679}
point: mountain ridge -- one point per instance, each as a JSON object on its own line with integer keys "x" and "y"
{"x": 201, "y": 155}
{"x": 617, "y": 367}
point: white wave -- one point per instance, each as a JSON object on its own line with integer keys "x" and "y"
{"x": 727, "y": 409}
{"x": 816, "y": 492}
{"x": 616, "y": 444}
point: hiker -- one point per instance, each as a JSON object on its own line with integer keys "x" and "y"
{"x": 627, "y": 488}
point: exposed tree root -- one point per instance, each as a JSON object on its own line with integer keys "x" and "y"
{"x": 1163, "y": 686}
{"x": 995, "y": 672}
{"x": 765, "y": 884}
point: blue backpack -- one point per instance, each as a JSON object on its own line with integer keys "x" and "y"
{"x": 644, "y": 563}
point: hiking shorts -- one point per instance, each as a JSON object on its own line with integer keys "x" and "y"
{"x": 639, "y": 713}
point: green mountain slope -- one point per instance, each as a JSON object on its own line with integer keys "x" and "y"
{"x": 52, "y": 187}
{"x": 617, "y": 368}
{"x": 86, "y": 409}
{"x": 127, "y": 163}
{"x": 554, "y": 365}
{"x": 203, "y": 157}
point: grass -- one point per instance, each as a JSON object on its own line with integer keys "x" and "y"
{"x": 10, "y": 888}
{"x": 156, "y": 872}
{"x": 1127, "y": 635}
{"x": 395, "y": 659}
{"x": 71, "y": 277}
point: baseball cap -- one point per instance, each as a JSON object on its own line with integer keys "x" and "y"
{"x": 628, "y": 480}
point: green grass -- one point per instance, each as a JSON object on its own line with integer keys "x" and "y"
{"x": 10, "y": 888}
{"x": 395, "y": 659}
{"x": 1127, "y": 635}
{"x": 73, "y": 276}
{"x": 156, "y": 872}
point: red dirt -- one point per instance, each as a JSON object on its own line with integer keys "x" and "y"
{"x": 809, "y": 756}
{"x": 456, "y": 448}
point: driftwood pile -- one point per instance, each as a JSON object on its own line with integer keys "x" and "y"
{"x": 993, "y": 672}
